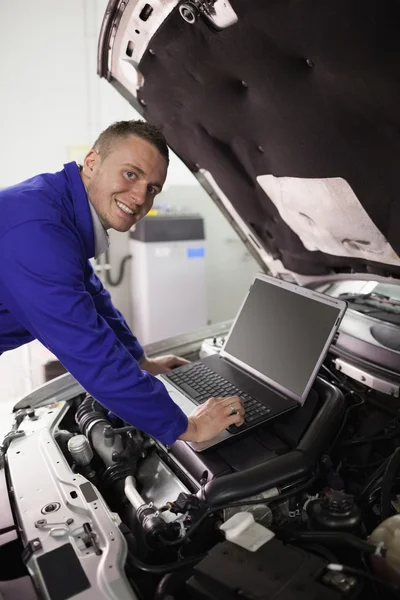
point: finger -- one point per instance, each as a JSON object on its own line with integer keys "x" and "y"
{"x": 234, "y": 408}
{"x": 241, "y": 410}
{"x": 178, "y": 360}
{"x": 235, "y": 420}
{"x": 234, "y": 401}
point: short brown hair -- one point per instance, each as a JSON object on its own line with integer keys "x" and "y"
{"x": 123, "y": 129}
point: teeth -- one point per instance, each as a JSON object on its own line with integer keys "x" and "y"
{"x": 125, "y": 208}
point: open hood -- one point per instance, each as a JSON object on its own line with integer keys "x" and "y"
{"x": 287, "y": 111}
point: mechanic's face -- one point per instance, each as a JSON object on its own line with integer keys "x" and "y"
{"x": 122, "y": 186}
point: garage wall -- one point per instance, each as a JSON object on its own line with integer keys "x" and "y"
{"x": 52, "y": 107}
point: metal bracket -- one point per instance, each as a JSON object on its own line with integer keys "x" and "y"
{"x": 44, "y": 524}
{"x": 372, "y": 381}
{"x": 30, "y": 549}
{"x": 218, "y": 12}
{"x": 90, "y": 539}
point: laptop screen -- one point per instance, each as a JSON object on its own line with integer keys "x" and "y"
{"x": 282, "y": 334}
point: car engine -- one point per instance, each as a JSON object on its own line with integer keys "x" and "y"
{"x": 304, "y": 507}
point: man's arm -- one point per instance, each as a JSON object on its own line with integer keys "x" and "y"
{"x": 42, "y": 285}
{"x": 114, "y": 318}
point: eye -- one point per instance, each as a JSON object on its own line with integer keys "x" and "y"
{"x": 152, "y": 190}
{"x": 130, "y": 175}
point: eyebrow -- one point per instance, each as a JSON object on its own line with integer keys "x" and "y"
{"x": 139, "y": 170}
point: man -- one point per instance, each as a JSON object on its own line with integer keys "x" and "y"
{"x": 50, "y": 226}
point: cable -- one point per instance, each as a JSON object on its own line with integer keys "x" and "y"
{"x": 121, "y": 273}
{"x": 370, "y": 465}
{"x": 367, "y": 567}
{"x": 330, "y": 536}
{"x": 126, "y": 429}
{"x": 375, "y": 437}
{"x": 387, "y": 483}
{"x": 370, "y": 440}
{"x": 211, "y": 510}
{"x": 372, "y": 480}
{"x": 333, "y": 375}
{"x": 344, "y": 422}
{"x": 163, "y": 569}
{"x": 340, "y": 568}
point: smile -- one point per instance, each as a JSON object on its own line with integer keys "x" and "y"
{"x": 123, "y": 207}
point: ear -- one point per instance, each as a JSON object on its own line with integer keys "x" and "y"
{"x": 90, "y": 163}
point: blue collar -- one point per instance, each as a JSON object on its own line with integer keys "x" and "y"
{"x": 83, "y": 217}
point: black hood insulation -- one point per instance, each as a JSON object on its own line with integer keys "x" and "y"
{"x": 296, "y": 88}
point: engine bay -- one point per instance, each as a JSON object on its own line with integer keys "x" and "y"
{"x": 133, "y": 518}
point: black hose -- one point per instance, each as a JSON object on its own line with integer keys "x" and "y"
{"x": 116, "y": 282}
{"x": 136, "y": 564}
{"x": 334, "y": 376}
{"x": 387, "y": 483}
{"x": 370, "y": 465}
{"x": 333, "y": 537}
{"x": 370, "y": 440}
{"x": 344, "y": 422}
{"x": 214, "y": 509}
{"x": 286, "y": 468}
{"x": 372, "y": 480}
{"x": 163, "y": 569}
{"x": 375, "y": 437}
{"x": 170, "y": 584}
{"x": 126, "y": 429}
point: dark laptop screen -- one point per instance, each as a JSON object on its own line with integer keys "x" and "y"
{"x": 281, "y": 334}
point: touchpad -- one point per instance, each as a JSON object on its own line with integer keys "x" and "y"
{"x": 184, "y": 403}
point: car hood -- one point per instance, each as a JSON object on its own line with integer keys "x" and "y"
{"x": 287, "y": 111}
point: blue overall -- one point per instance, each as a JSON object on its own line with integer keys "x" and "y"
{"x": 48, "y": 291}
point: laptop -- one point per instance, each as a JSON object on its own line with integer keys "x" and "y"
{"x": 270, "y": 358}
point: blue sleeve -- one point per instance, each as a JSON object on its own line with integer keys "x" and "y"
{"x": 42, "y": 284}
{"x": 110, "y": 314}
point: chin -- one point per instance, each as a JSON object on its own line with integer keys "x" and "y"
{"x": 122, "y": 227}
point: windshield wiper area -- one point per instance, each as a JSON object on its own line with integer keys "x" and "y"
{"x": 371, "y": 297}
{"x": 375, "y": 305}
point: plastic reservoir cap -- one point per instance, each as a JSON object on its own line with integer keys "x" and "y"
{"x": 241, "y": 529}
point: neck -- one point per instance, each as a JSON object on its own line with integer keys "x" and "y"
{"x": 85, "y": 181}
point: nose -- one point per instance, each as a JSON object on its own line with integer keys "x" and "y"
{"x": 138, "y": 194}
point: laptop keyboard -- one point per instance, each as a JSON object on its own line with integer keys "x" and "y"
{"x": 201, "y": 383}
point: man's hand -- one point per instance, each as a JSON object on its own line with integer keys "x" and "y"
{"x": 209, "y": 419}
{"x": 162, "y": 364}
